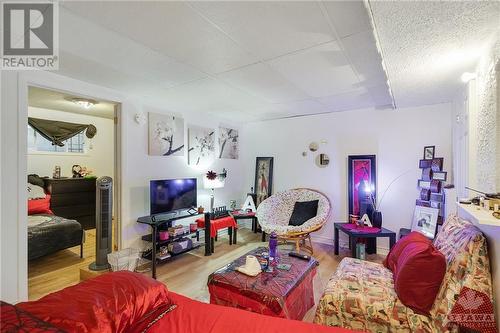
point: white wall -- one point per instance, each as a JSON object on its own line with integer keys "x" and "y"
{"x": 141, "y": 168}
{"x": 396, "y": 137}
{"x": 476, "y": 145}
{"x": 137, "y": 169}
{"x": 100, "y": 159}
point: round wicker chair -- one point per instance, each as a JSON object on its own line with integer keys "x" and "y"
{"x": 274, "y": 215}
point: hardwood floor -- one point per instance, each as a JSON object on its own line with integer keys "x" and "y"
{"x": 186, "y": 275}
{"x": 61, "y": 269}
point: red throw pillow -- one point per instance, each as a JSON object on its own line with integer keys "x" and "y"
{"x": 111, "y": 302}
{"x": 418, "y": 274}
{"x": 393, "y": 256}
{"x": 39, "y": 206}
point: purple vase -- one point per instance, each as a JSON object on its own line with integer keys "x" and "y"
{"x": 273, "y": 249}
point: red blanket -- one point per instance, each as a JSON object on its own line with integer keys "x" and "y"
{"x": 125, "y": 302}
{"x": 192, "y": 316}
{"x": 217, "y": 224}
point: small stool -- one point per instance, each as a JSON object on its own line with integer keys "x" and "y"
{"x": 212, "y": 226}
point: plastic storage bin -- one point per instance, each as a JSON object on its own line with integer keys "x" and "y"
{"x": 123, "y": 260}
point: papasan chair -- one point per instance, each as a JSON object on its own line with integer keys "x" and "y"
{"x": 274, "y": 215}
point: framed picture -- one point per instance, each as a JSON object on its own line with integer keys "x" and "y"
{"x": 424, "y": 184}
{"x": 425, "y": 221}
{"x": 440, "y": 175}
{"x": 362, "y": 173}
{"x": 228, "y": 143}
{"x": 437, "y": 164}
{"x": 427, "y": 174}
{"x": 424, "y": 164}
{"x": 201, "y": 146}
{"x": 429, "y": 152}
{"x": 263, "y": 178}
{"x": 166, "y": 135}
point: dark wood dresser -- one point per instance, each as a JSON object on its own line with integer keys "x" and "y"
{"x": 73, "y": 198}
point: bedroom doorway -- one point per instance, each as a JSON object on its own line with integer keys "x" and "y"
{"x": 72, "y": 140}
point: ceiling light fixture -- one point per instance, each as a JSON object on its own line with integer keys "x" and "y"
{"x": 467, "y": 76}
{"x": 84, "y": 102}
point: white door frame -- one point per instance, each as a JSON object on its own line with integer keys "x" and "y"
{"x": 53, "y": 81}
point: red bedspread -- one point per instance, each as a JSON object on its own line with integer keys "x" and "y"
{"x": 126, "y": 302}
{"x": 192, "y": 316}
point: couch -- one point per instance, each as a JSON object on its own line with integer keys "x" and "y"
{"x": 131, "y": 302}
{"x": 274, "y": 215}
{"x": 360, "y": 295}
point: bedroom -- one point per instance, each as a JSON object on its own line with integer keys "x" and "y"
{"x": 70, "y": 144}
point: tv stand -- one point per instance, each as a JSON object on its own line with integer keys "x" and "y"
{"x": 155, "y": 221}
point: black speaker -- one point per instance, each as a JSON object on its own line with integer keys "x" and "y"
{"x": 104, "y": 216}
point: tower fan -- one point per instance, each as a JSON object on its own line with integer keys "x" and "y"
{"x": 103, "y": 212}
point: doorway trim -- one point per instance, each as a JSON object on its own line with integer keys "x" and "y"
{"x": 56, "y": 82}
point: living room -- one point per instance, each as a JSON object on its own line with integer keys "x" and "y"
{"x": 312, "y": 85}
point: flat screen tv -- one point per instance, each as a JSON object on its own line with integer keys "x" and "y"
{"x": 172, "y": 195}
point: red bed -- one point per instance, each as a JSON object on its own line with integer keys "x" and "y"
{"x": 132, "y": 303}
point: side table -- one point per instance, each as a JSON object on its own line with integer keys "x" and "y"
{"x": 354, "y": 234}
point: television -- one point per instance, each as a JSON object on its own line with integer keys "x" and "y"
{"x": 171, "y": 195}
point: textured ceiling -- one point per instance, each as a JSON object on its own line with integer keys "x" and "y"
{"x": 238, "y": 60}
{"x": 56, "y": 100}
{"x": 427, "y": 45}
{"x": 250, "y": 60}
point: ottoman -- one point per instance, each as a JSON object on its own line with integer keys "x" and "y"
{"x": 281, "y": 293}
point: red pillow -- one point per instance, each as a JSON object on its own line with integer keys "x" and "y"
{"x": 418, "y": 274}
{"x": 111, "y": 302}
{"x": 393, "y": 256}
{"x": 39, "y": 206}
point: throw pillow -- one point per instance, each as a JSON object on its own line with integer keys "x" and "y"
{"x": 303, "y": 211}
{"x": 418, "y": 275}
{"x": 40, "y": 206}
{"x": 35, "y": 192}
{"x": 393, "y": 256}
{"x": 36, "y": 180}
{"x": 111, "y": 302}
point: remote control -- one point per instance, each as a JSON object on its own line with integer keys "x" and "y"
{"x": 300, "y": 256}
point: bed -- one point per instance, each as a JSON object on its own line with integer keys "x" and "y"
{"x": 50, "y": 233}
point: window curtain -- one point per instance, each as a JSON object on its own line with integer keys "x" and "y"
{"x": 59, "y": 131}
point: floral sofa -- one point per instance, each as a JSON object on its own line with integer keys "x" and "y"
{"x": 361, "y": 296}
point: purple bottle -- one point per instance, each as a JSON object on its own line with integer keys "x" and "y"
{"x": 273, "y": 249}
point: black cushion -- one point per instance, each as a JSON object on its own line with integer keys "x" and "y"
{"x": 36, "y": 180}
{"x": 303, "y": 211}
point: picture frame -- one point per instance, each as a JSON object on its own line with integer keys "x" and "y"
{"x": 429, "y": 152}
{"x": 437, "y": 164}
{"x": 424, "y": 164}
{"x": 425, "y": 221}
{"x": 228, "y": 142}
{"x": 440, "y": 175}
{"x": 201, "y": 146}
{"x": 361, "y": 168}
{"x": 263, "y": 178}
{"x": 424, "y": 184}
{"x": 426, "y": 174}
{"x": 165, "y": 135}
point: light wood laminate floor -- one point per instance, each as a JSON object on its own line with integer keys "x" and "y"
{"x": 186, "y": 274}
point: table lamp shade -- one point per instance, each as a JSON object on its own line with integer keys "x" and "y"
{"x": 212, "y": 183}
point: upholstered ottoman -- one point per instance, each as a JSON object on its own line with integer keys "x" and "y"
{"x": 281, "y": 293}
